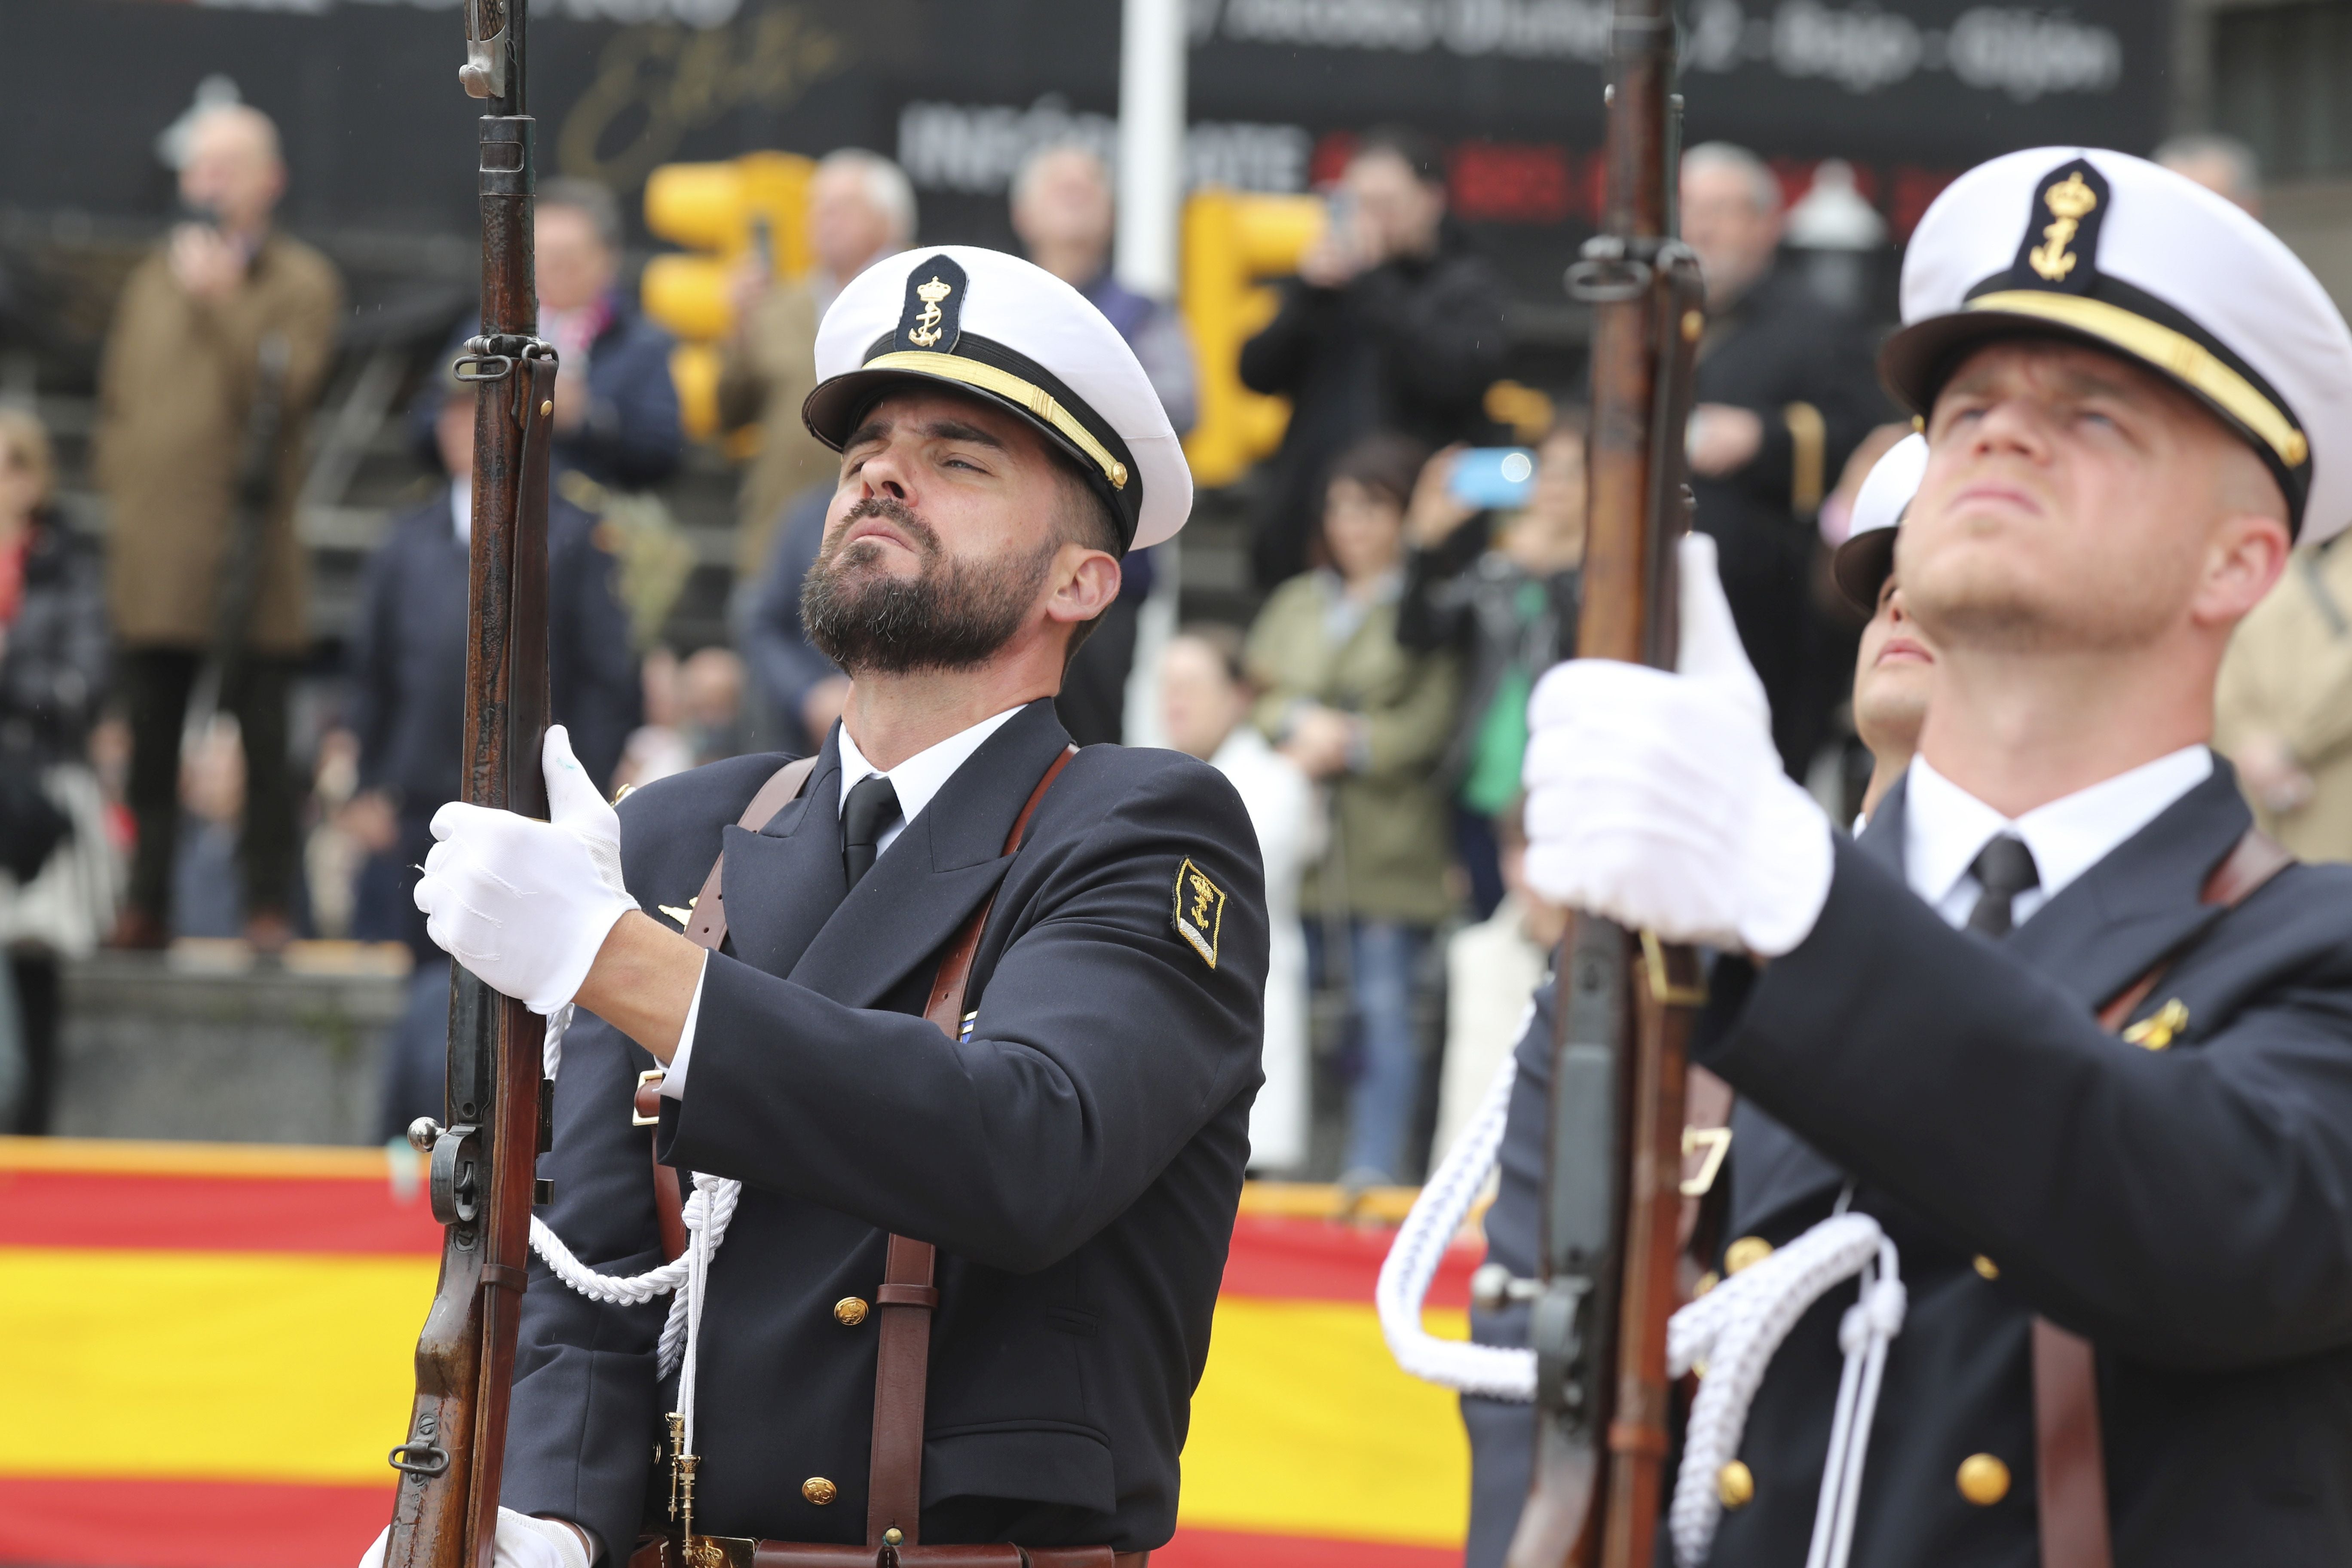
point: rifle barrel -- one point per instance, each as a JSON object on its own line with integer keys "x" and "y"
{"x": 484, "y": 1160}
{"x": 1622, "y": 1012}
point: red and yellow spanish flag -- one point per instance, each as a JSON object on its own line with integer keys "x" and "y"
{"x": 213, "y": 1354}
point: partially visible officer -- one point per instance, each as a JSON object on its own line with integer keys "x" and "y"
{"x": 2137, "y": 398}
{"x": 408, "y": 670}
{"x": 1894, "y": 669}
{"x": 1076, "y": 1155}
{"x": 1892, "y": 679}
{"x": 177, "y": 390}
{"x": 1784, "y": 393}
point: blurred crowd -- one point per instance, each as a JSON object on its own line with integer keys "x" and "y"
{"x": 1416, "y": 567}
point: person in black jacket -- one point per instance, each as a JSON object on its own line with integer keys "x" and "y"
{"x": 1785, "y": 393}
{"x": 1392, "y": 323}
{"x": 617, "y": 414}
{"x": 54, "y": 660}
{"x": 409, "y": 700}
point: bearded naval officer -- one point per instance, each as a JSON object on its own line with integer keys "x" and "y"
{"x": 2056, "y": 1020}
{"x": 1075, "y": 1150}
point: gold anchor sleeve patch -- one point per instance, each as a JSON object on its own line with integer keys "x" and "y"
{"x": 1200, "y": 911}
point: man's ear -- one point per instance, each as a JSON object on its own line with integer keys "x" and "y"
{"x": 1086, "y": 581}
{"x": 2247, "y": 553}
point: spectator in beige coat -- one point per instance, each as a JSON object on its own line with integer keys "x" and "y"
{"x": 2282, "y": 712}
{"x": 226, "y": 307}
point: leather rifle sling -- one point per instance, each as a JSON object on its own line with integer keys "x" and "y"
{"x": 708, "y": 929}
{"x": 2070, "y": 1461}
{"x": 894, "y": 1490}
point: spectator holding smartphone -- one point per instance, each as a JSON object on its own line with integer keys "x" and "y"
{"x": 1392, "y": 323}
{"x": 1498, "y": 587}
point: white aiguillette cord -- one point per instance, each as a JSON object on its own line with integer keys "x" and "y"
{"x": 1733, "y": 1330}
{"x": 708, "y": 1212}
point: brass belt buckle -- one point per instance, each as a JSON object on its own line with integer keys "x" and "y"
{"x": 1716, "y": 1141}
{"x": 653, "y": 1076}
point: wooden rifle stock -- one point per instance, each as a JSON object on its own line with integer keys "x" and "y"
{"x": 1614, "y": 1155}
{"x": 445, "y": 1513}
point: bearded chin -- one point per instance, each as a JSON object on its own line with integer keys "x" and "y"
{"x": 951, "y": 615}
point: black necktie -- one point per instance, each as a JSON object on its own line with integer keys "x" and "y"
{"x": 865, "y": 815}
{"x": 2004, "y": 868}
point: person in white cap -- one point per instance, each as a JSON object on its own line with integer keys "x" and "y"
{"x": 1069, "y": 1135}
{"x": 2059, "y": 1021}
{"x": 1895, "y": 667}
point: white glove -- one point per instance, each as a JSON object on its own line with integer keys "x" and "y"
{"x": 1658, "y": 800}
{"x": 524, "y": 1542}
{"x": 524, "y": 904}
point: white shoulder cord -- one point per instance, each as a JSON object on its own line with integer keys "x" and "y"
{"x": 708, "y": 1212}
{"x": 1733, "y": 1329}
{"x": 1491, "y": 1371}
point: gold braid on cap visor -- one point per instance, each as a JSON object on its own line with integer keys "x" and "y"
{"x": 1005, "y": 384}
{"x": 2177, "y": 354}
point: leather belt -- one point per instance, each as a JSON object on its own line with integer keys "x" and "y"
{"x": 734, "y": 1552}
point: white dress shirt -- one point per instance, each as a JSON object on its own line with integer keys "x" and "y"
{"x": 1945, "y": 828}
{"x": 917, "y": 780}
{"x": 461, "y": 511}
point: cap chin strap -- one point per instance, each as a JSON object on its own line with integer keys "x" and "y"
{"x": 2175, "y": 353}
{"x": 1005, "y": 384}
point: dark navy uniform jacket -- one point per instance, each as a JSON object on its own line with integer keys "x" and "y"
{"x": 1077, "y": 1159}
{"x": 408, "y": 655}
{"x": 2188, "y": 1210}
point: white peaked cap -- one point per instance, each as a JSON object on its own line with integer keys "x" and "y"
{"x": 2115, "y": 251}
{"x": 994, "y": 326}
{"x": 1867, "y": 555}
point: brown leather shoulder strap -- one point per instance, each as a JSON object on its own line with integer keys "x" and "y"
{"x": 894, "y": 1493}
{"x": 2070, "y": 1463}
{"x": 2248, "y": 868}
{"x": 945, "y": 1007}
{"x": 708, "y": 927}
{"x": 2070, "y": 1459}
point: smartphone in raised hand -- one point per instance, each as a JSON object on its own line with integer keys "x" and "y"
{"x": 1494, "y": 478}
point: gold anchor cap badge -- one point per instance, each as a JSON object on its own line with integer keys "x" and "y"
{"x": 926, "y": 329}
{"x": 2070, "y": 200}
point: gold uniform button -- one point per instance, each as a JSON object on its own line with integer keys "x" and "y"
{"x": 849, "y": 1311}
{"x": 1983, "y": 1479}
{"x": 1706, "y": 1281}
{"x": 1735, "y": 1485}
{"x": 1745, "y": 1252}
{"x": 819, "y": 1490}
{"x": 1986, "y": 1268}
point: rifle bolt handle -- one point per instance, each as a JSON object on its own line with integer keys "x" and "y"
{"x": 422, "y": 1133}
{"x": 1493, "y": 1287}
